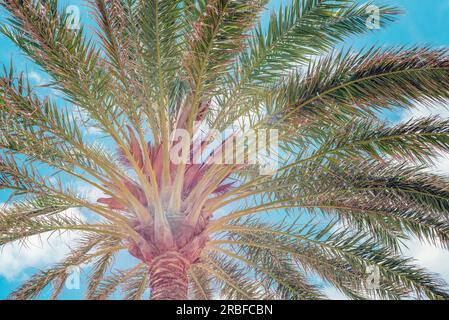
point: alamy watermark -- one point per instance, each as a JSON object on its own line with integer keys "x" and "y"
{"x": 250, "y": 147}
{"x": 72, "y": 281}
{"x": 372, "y": 282}
{"x": 73, "y": 17}
{"x": 373, "y": 20}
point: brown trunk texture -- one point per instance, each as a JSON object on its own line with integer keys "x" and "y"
{"x": 168, "y": 277}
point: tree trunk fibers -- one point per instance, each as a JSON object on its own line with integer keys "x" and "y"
{"x": 168, "y": 277}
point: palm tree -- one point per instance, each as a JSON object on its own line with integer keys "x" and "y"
{"x": 349, "y": 190}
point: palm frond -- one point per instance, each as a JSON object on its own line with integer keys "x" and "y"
{"x": 304, "y": 29}
{"x": 347, "y": 83}
{"x": 67, "y": 56}
{"x": 109, "y": 285}
{"x": 349, "y": 254}
{"x": 279, "y": 277}
{"x": 391, "y": 201}
{"x": 217, "y": 37}
{"x": 420, "y": 141}
{"x": 99, "y": 269}
{"x": 136, "y": 286}
{"x": 200, "y": 284}
{"x": 231, "y": 277}
{"x": 58, "y": 274}
{"x": 293, "y": 37}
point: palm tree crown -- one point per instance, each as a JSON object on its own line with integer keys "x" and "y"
{"x": 349, "y": 187}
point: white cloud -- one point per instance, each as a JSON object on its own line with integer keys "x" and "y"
{"x": 421, "y": 111}
{"x": 42, "y": 250}
{"x": 332, "y": 293}
{"x": 91, "y": 193}
{"x": 35, "y": 77}
{"x": 82, "y": 117}
{"x": 430, "y": 257}
{"x": 442, "y": 164}
{"x": 426, "y": 256}
{"x": 39, "y": 251}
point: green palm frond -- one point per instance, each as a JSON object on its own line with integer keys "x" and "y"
{"x": 346, "y": 254}
{"x": 34, "y": 207}
{"x": 346, "y": 83}
{"x": 138, "y": 283}
{"x": 231, "y": 277}
{"x": 218, "y": 36}
{"x": 368, "y": 196}
{"x": 294, "y": 35}
{"x": 279, "y": 276}
{"x": 304, "y": 29}
{"x": 200, "y": 284}
{"x": 66, "y": 54}
{"x": 58, "y": 274}
{"x": 69, "y": 58}
{"x": 25, "y": 179}
{"x": 47, "y": 133}
{"x": 99, "y": 269}
{"x": 161, "y": 38}
{"x": 110, "y": 284}
{"x": 19, "y": 222}
{"x": 417, "y": 140}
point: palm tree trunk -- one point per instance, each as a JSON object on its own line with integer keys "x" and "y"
{"x": 168, "y": 277}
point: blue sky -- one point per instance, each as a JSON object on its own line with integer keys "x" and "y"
{"x": 424, "y": 22}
